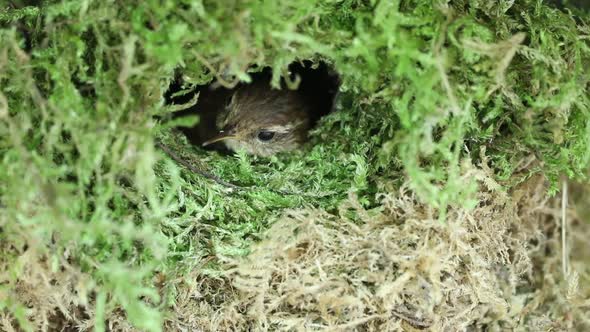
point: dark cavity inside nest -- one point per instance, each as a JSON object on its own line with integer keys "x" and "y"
{"x": 319, "y": 83}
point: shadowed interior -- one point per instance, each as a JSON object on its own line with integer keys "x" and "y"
{"x": 319, "y": 86}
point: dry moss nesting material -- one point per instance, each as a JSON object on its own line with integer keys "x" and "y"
{"x": 424, "y": 202}
{"x": 400, "y": 269}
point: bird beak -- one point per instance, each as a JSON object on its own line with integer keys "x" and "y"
{"x": 222, "y": 135}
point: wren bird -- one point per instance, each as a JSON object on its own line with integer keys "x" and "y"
{"x": 263, "y": 121}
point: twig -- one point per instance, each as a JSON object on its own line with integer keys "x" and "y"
{"x": 356, "y": 323}
{"x": 419, "y": 323}
{"x": 193, "y": 169}
{"x": 212, "y": 177}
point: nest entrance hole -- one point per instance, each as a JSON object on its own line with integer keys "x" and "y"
{"x": 319, "y": 83}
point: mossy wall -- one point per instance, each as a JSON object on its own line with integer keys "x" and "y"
{"x": 94, "y": 217}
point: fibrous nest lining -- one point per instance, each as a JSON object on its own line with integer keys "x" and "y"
{"x": 91, "y": 213}
{"x": 393, "y": 267}
{"x": 398, "y": 268}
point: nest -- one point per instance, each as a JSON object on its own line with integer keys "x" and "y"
{"x": 396, "y": 267}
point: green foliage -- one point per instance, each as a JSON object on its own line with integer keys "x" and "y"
{"x": 424, "y": 87}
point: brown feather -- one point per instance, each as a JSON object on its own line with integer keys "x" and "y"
{"x": 257, "y": 107}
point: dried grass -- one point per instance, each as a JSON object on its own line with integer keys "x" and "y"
{"x": 391, "y": 268}
{"x": 397, "y": 267}
{"x": 53, "y": 296}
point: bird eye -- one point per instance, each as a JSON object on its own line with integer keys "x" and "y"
{"x": 264, "y": 135}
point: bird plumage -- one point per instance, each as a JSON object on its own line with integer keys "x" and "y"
{"x": 257, "y": 112}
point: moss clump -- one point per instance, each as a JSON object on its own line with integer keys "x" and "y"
{"x": 97, "y": 229}
{"x": 399, "y": 270}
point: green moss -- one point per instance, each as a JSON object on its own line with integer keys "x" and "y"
{"x": 424, "y": 87}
